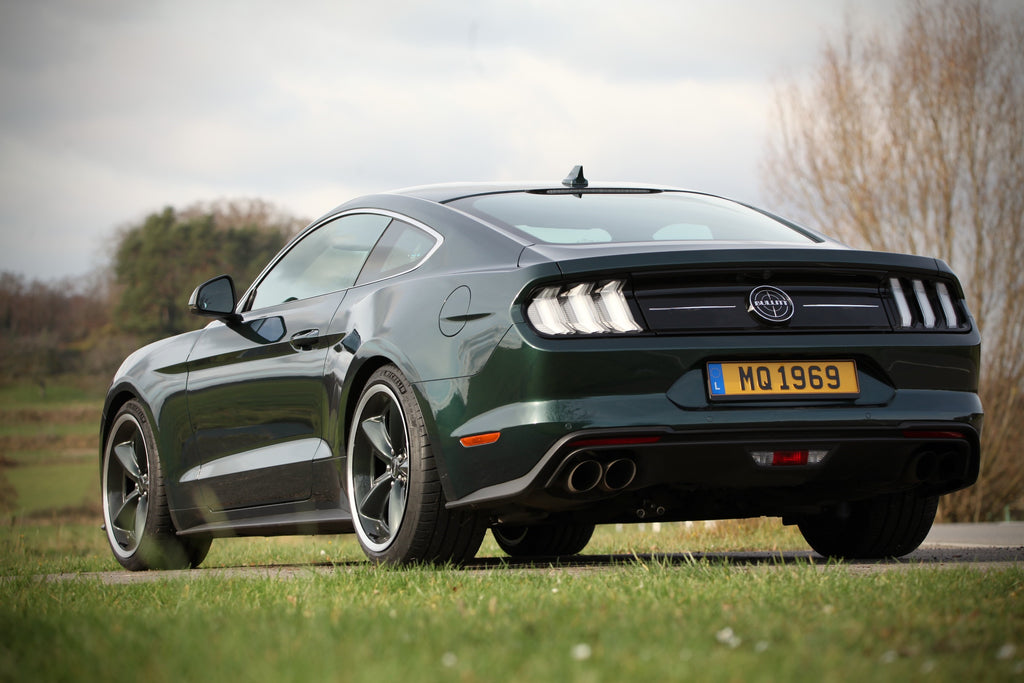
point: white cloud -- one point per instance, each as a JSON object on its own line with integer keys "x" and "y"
{"x": 116, "y": 108}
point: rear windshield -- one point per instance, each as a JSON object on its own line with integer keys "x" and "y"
{"x": 605, "y": 217}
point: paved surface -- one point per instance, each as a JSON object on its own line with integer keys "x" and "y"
{"x": 978, "y": 546}
{"x": 995, "y": 535}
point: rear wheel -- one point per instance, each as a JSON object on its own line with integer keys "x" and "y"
{"x": 135, "y": 513}
{"x": 393, "y": 486}
{"x": 887, "y": 526}
{"x": 543, "y": 540}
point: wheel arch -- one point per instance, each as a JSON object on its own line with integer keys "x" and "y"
{"x": 117, "y": 397}
{"x": 354, "y": 389}
{"x": 360, "y": 379}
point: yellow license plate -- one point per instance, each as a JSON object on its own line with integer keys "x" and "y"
{"x": 753, "y": 379}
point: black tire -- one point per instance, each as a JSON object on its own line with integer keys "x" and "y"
{"x": 394, "y": 492}
{"x": 887, "y": 526}
{"x": 135, "y": 513}
{"x": 543, "y": 540}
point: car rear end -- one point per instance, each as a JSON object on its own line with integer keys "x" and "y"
{"x": 695, "y": 379}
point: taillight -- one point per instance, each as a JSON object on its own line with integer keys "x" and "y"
{"x": 924, "y": 304}
{"x": 582, "y": 308}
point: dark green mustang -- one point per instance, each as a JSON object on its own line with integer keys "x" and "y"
{"x": 419, "y": 366}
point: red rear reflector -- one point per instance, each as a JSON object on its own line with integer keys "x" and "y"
{"x": 789, "y": 458}
{"x": 614, "y": 441}
{"x": 933, "y": 435}
{"x": 479, "y": 439}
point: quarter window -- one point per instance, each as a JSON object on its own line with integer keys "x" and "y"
{"x": 326, "y": 260}
{"x": 401, "y": 249}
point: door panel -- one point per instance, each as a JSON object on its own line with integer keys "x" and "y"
{"x": 257, "y": 401}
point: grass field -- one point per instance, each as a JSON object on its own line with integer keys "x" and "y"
{"x": 48, "y": 449}
{"x": 339, "y": 619}
{"x": 355, "y": 622}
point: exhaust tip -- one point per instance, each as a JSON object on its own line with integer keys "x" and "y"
{"x": 938, "y": 467}
{"x": 952, "y": 466}
{"x": 618, "y": 474}
{"x": 584, "y": 476}
{"x": 926, "y": 466}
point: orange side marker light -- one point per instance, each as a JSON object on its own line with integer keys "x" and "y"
{"x": 479, "y": 439}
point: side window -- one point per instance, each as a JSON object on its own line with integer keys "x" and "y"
{"x": 401, "y": 248}
{"x": 326, "y": 260}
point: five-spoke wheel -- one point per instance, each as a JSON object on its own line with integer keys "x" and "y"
{"x": 379, "y": 467}
{"x": 126, "y": 485}
{"x": 394, "y": 490}
{"x": 135, "y": 513}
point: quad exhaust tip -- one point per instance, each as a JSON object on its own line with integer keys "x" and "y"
{"x": 589, "y": 474}
{"x": 618, "y": 474}
{"x": 938, "y": 467}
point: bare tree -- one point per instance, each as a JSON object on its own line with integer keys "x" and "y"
{"x": 915, "y": 142}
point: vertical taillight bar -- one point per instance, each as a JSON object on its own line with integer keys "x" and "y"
{"x": 906, "y": 320}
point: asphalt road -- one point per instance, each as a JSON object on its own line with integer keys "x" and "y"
{"x": 994, "y": 535}
{"x": 979, "y": 546}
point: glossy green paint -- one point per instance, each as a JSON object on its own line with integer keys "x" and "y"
{"x": 251, "y": 428}
{"x": 657, "y": 384}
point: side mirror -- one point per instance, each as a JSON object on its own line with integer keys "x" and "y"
{"x": 215, "y": 299}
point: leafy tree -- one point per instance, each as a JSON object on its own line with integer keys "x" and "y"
{"x": 160, "y": 261}
{"x": 916, "y": 143}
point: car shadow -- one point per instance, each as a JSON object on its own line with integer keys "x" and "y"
{"x": 922, "y": 556}
{"x": 981, "y": 558}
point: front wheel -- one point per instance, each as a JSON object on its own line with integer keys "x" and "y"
{"x": 543, "y": 540}
{"x": 135, "y": 513}
{"x": 394, "y": 490}
{"x": 887, "y": 526}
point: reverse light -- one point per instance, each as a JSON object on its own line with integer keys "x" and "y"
{"x": 788, "y": 457}
{"x": 582, "y": 308}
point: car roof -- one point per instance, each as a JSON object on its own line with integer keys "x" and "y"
{"x": 443, "y": 193}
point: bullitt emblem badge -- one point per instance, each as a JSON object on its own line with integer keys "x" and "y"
{"x": 771, "y": 304}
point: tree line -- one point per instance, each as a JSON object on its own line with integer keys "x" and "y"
{"x": 88, "y": 325}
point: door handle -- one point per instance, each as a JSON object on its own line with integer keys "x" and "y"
{"x": 305, "y": 340}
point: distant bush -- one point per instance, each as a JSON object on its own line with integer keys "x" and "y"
{"x": 88, "y": 325}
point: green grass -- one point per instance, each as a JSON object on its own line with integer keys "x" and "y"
{"x": 642, "y": 620}
{"x": 48, "y": 447}
{"x": 50, "y": 430}
{"x": 59, "y": 391}
{"x": 339, "y": 618}
{"x": 51, "y": 487}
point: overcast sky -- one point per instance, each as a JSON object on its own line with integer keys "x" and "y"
{"x": 112, "y": 109}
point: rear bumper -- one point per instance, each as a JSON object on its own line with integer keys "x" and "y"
{"x": 544, "y": 396}
{"x": 706, "y": 474}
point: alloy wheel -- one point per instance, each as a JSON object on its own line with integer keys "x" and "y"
{"x": 379, "y": 467}
{"x": 126, "y": 485}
